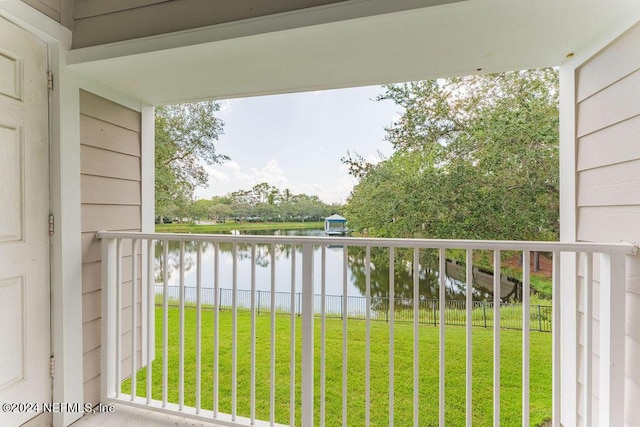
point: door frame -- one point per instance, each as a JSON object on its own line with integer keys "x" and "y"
{"x": 64, "y": 195}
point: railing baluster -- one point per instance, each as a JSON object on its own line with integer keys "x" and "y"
{"x": 151, "y": 297}
{"x": 344, "y": 334}
{"x": 165, "y": 322}
{"x": 416, "y": 337}
{"x": 272, "y": 359}
{"x": 307, "y": 309}
{"x": 234, "y": 334}
{"x": 612, "y": 339}
{"x": 442, "y": 276}
{"x": 469, "y": 336}
{"x": 555, "y": 326}
{"x": 392, "y": 318}
{"x": 587, "y": 337}
{"x": 216, "y": 327}
{"x": 526, "y": 279}
{"x": 367, "y": 370}
{"x": 134, "y": 315}
{"x": 496, "y": 337}
{"x": 181, "y": 333}
{"x": 118, "y": 291}
{"x": 292, "y": 341}
{"x": 109, "y": 327}
{"x": 253, "y": 335}
{"x": 198, "y": 327}
{"x": 323, "y": 336}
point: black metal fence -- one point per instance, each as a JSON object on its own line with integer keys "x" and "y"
{"x": 428, "y": 312}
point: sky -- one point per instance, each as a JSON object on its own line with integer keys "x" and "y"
{"x": 295, "y": 141}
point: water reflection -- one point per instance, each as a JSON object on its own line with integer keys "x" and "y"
{"x": 455, "y": 286}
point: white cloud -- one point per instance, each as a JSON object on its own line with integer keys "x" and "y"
{"x": 232, "y": 176}
{"x": 373, "y": 158}
{"x": 218, "y": 176}
{"x": 271, "y": 173}
{"x": 227, "y": 105}
{"x": 232, "y": 165}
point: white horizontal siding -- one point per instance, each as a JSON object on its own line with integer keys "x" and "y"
{"x": 95, "y": 161}
{"x": 613, "y": 104}
{"x": 108, "y": 111}
{"x": 611, "y": 65}
{"x": 108, "y": 136}
{"x": 609, "y": 224}
{"x": 632, "y": 412}
{"x": 614, "y": 144}
{"x": 608, "y": 180}
{"x": 110, "y": 217}
{"x": 613, "y": 185}
{"x": 110, "y": 184}
{"x": 91, "y": 335}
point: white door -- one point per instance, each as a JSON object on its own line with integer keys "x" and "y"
{"x": 24, "y": 237}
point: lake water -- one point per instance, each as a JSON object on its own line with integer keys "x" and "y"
{"x": 355, "y": 286}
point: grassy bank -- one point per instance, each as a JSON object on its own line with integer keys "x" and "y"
{"x": 403, "y": 356}
{"x": 541, "y": 281}
{"x": 232, "y": 225}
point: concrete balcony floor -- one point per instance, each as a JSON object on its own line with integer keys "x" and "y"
{"x": 123, "y": 415}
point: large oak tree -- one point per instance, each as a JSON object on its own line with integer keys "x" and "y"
{"x": 474, "y": 157}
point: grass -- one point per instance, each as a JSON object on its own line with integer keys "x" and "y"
{"x": 541, "y": 282}
{"x": 511, "y": 389}
{"x": 232, "y": 225}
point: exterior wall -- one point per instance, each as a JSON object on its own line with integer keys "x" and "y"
{"x": 104, "y": 21}
{"x": 110, "y": 181}
{"x": 608, "y": 183}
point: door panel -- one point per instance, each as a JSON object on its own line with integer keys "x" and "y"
{"x": 24, "y": 207}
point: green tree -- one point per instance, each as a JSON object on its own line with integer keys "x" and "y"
{"x": 186, "y": 137}
{"x": 220, "y": 211}
{"x": 474, "y": 157}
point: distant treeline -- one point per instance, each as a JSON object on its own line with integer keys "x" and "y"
{"x": 263, "y": 202}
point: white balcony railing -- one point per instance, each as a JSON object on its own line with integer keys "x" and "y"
{"x": 222, "y": 356}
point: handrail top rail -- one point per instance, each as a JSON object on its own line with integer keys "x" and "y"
{"x": 623, "y": 248}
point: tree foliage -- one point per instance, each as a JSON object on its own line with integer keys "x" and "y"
{"x": 186, "y": 137}
{"x": 474, "y": 157}
{"x": 263, "y": 202}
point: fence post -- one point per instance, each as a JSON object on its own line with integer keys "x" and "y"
{"x": 258, "y": 301}
{"x": 484, "y": 313}
{"x": 386, "y": 312}
{"x": 299, "y": 303}
{"x": 434, "y": 312}
{"x": 539, "y": 319}
{"x": 307, "y": 361}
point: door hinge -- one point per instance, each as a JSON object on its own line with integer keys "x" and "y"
{"x": 52, "y": 366}
{"x": 51, "y": 224}
{"x": 50, "y": 81}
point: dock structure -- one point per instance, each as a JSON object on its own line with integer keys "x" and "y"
{"x": 335, "y": 225}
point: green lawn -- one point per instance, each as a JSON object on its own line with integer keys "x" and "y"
{"x": 232, "y": 225}
{"x": 455, "y": 364}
